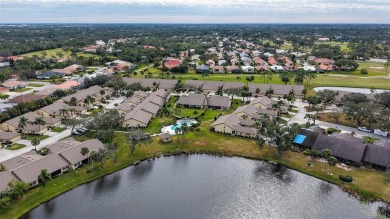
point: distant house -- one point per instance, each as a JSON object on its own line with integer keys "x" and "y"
{"x": 192, "y": 101}
{"x": 272, "y": 60}
{"x": 248, "y": 69}
{"x": 202, "y": 69}
{"x": 276, "y": 68}
{"x": 48, "y": 74}
{"x": 172, "y": 63}
{"x": 218, "y": 69}
{"x": 233, "y": 69}
{"x": 25, "y": 98}
{"x": 12, "y": 84}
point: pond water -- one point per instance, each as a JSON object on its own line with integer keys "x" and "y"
{"x": 351, "y": 89}
{"x": 201, "y": 186}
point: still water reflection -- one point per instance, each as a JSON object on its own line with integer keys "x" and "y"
{"x": 201, "y": 186}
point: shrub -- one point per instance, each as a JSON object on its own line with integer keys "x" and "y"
{"x": 4, "y": 202}
{"x": 329, "y": 131}
{"x": 195, "y": 112}
{"x": 347, "y": 178}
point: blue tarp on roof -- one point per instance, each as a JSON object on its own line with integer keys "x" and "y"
{"x": 299, "y": 139}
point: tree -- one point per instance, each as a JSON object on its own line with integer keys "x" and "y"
{"x": 23, "y": 121}
{"x": 112, "y": 149}
{"x": 43, "y": 178}
{"x": 314, "y": 100}
{"x": 363, "y": 71}
{"x": 304, "y": 92}
{"x": 326, "y": 153}
{"x": 64, "y": 112}
{"x": 72, "y": 123}
{"x": 310, "y": 117}
{"x": 17, "y": 188}
{"x": 355, "y": 98}
{"x": 73, "y": 101}
{"x": 357, "y": 111}
{"x": 332, "y": 161}
{"x": 327, "y": 96}
{"x": 387, "y": 64}
{"x": 336, "y": 115}
{"x": 386, "y": 175}
{"x": 232, "y": 92}
{"x": 137, "y": 137}
{"x": 284, "y": 78}
{"x": 84, "y": 151}
{"x": 383, "y": 98}
{"x": 35, "y": 142}
{"x": 39, "y": 121}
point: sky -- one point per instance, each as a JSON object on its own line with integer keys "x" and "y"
{"x": 195, "y": 11}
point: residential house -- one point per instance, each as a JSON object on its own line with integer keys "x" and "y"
{"x": 218, "y": 69}
{"x": 248, "y": 69}
{"x": 194, "y": 84}
{"x": 192, "y": 101}
{"x": 25, "y": 98}
{"x": 218, "y": 102}
{"x": 230, "y": 124}
{"x": 49, "y": 74}
{"x": 12, "y": 84}
{"x": 12, "y": 125}
{"x": 233, "y": 69}
{"x": 202, "y": 69}
{"x": 60, "y": 110}
{"x": 82, "y": 94}
{"x": 237, "y": 85}
{"x": 9, "y": 136}
{"x": 212, "y": 86}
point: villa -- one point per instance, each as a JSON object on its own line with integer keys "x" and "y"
{"x": 192, "y": 101}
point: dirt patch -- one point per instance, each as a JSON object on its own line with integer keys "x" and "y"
{"x": 200, "y": 143}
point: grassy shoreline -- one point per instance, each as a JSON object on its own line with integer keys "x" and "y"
{"x": 198, "y": 142}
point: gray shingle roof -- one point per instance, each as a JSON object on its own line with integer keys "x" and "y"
{"x": 73, "y": 154}
{"x": 377, "y": 154}
{"x": 192, "y": 99}
{"x": 82, "y": 94}
{"x": 4, "y": 136}
{"x": 345, "y": 149}
{"x": 5, "y": 178}
{"x": 218, "y": 101}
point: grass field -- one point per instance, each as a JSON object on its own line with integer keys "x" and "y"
{"x": 40, "y": 137}
{"x": 53, "y": 52}
{"x": 58, "y": 129}
{"x": 35, "y": 85}
{"x": 343, "y": 45}
{"x": 21, "y": 90}
{"x": 157, "y": 123}
{"x": 367, "y": 181}
{"x": 15, "y": 146}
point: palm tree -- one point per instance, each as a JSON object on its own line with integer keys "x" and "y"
{"x": 63, "y": 111}
{"x": 84, "y": 151}
{"x": 43, "y": 178}
{"x": 39, "y": 121}
{"x": 35, "y": 142}
{"x": 326, "y": 153}
{"x": 23, "y": 121}
{"x": 73, "y": 101}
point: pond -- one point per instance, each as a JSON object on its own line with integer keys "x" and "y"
{"x": 351, "y": 89}
{"x": 202, "y": 186}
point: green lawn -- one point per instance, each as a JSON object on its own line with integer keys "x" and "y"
{"x": 58, "y": 129}
{"x": 20, "y": 90}
{"x": 15, "y": 146}
{"x": 343, "y": 45}
{"x": 35, "y": 85}
{"x": 199, "y": 141}
{"x": 53, "y": 52}
{"x": 157, "y": 123}
{"x": 41, "y": 137}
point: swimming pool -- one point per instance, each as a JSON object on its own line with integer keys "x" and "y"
{"x": 171, "y": 129}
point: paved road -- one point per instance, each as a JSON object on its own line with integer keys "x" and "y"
{"x": 8, "y": 154}
{"x": 299, "y": 118}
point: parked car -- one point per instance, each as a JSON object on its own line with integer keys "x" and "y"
{"x": 364, "y": 129}
{"x": 74, "y": 132}
{"x": 380, "y": 133}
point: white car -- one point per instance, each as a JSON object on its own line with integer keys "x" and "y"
{"x": 364, "y": 129}
{"x": 381, "y": 133}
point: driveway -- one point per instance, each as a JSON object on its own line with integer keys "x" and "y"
{"x": 8, "y": 154}
{"x": 118, "y": 101}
